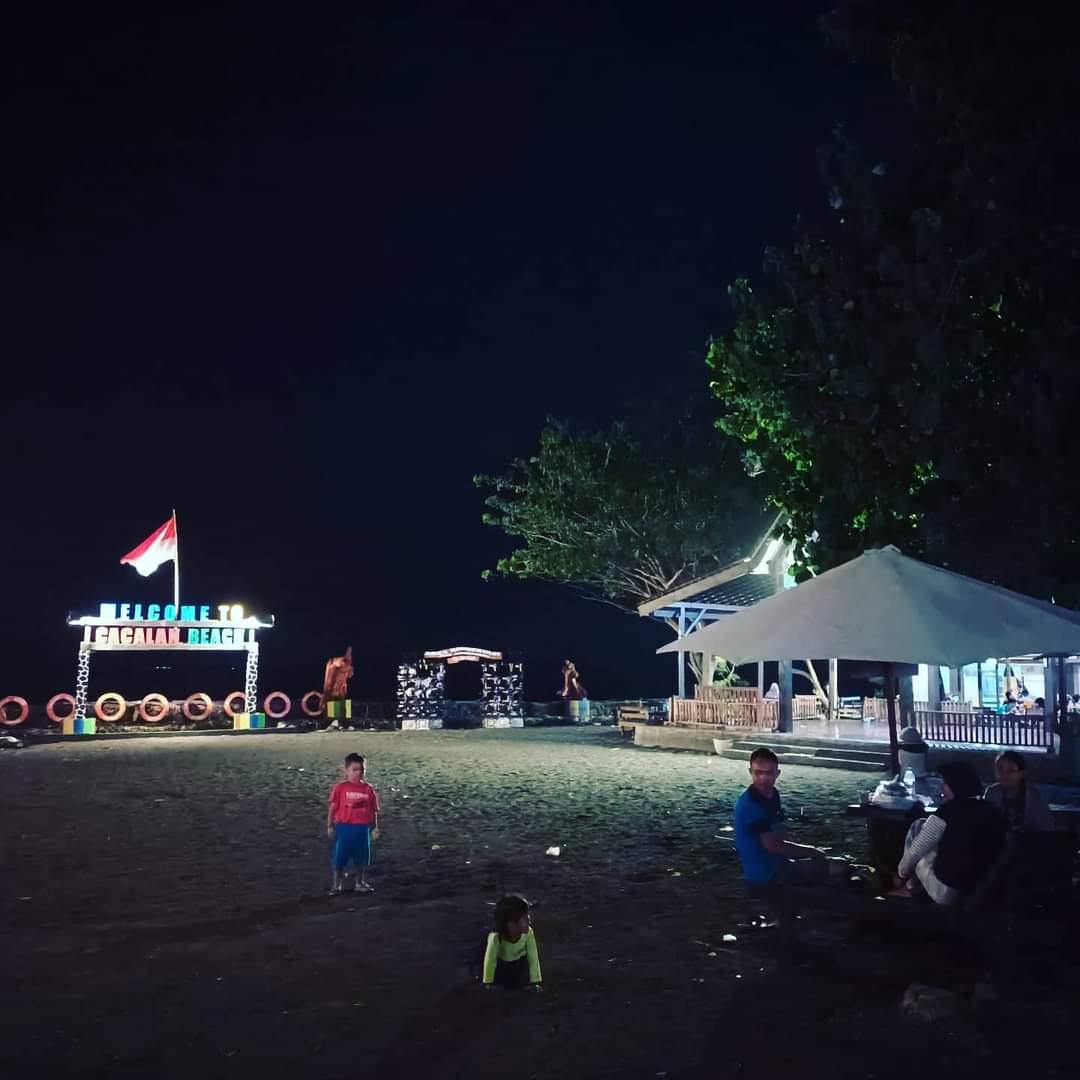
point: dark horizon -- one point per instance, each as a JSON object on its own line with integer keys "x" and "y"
{"x": 303, "y": 279}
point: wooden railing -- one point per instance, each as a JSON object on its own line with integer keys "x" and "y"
{"x": 877, "y": 708}
{"x": 747, "y": 714}
{"x": 983, "y": 727}
{"x": 738, "y": 707}
{"x": 803, "y": 706}
{"x": 725, "y": 693}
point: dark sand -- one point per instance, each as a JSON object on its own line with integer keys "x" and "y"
{"x": 164, "y": 915}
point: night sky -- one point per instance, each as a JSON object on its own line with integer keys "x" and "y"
{"x": 302, "y": 275}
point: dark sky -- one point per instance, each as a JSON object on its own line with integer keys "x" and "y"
{"x": 302, "y": 275}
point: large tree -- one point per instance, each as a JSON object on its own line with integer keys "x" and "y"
{"x": 908, "y": 372}
{"x": 627, "y": 513}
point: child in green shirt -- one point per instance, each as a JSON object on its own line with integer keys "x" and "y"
{"x": 510, "y": 959}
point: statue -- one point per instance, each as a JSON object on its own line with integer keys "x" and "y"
{"x": 339, "y": 670}
{"x": 572, "y": 690}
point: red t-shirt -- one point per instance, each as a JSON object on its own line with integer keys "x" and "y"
{"x": 354, "y": 804}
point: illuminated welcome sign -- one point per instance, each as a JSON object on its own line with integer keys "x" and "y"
{"x": 166, "y": 626}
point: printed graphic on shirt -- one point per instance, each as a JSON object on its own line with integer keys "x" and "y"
{"x": 354, "y": 804}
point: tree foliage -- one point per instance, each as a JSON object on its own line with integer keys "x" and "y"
{"x": 628, "y": 513}
{"x": 908, "y": 373}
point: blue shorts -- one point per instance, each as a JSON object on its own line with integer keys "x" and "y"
{"x": 352, "y": 844}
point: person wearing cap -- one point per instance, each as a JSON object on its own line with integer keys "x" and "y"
{"x": 947, "y": 853}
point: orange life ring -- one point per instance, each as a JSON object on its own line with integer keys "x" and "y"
{"x": 121, "y": 707}
{"x": 318, "y": 708}
{"x": 162, "y": 700}
{"x": 227, "y": 704}
{"x": 205, "y": 699}
{"x": 24, "y": 710}
{"x": 270, "y": 697}
{"x": 50, "y": 709}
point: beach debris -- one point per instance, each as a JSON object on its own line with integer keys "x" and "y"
{"x": 729, "y": 937}
{"x": 931, "y": 1004}
{"x": 555, "y": 851}
{"x": 436, "y": 847}
{"x": 761, "y": 922}
{"x": 711, "y": 954}
{"x": 727, "y": 828}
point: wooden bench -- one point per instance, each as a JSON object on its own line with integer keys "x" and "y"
{"x": 631, "y": 714}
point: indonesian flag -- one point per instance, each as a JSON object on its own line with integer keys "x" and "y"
{"x": 157, "y": 548}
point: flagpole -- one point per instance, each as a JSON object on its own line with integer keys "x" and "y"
{"x": 176, "y": 567}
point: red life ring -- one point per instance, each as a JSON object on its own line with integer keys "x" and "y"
{"x": 205, "y": 699}
{"x": 121, "y": 707}
{"x": 229, "y": 709}
{"x": 318, "y": 707}
{"x": 270, "y": 697}
{"x": 162, "y": 700}
{"x": 24, "y": 710}
{"x": 50, "y": 709}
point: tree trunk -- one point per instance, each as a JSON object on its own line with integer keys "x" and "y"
{"x": 811, "y": 674}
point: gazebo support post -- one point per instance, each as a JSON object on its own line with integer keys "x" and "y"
{"x": 681, "y": 683}
{"x": 890, "y": 701}
{"x": 785, "y": 719}
{"x": 1062, "y": 692}
{"x": 907, "y": 700}
{"x": 957, "y": 683}
{"x": 1066, "y": 739}
{"x": 834, "y": 690}
{"x": 933, "y": 687}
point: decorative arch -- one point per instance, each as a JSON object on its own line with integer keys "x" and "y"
{"x": 421, "y": 694}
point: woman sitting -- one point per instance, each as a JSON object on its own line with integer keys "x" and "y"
{"x": 947, "y": 853}
{"x": 1022, "y": 803}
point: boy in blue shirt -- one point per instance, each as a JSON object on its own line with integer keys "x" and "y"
{"x": 767, "y": 855}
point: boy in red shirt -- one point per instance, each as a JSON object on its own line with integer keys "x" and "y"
{"x": 352, "y": 822}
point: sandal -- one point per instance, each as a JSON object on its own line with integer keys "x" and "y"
{"x": 335, "y": 890}
{"x": 363, "y": 886}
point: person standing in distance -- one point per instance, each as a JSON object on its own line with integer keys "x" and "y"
{"x": 352, "y": 822}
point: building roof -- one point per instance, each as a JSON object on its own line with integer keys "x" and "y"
{"x": 740, "y": 584}
{"x": 740, "y": 592}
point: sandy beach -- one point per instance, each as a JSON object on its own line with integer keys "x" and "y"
{"x": 165, "y": 914}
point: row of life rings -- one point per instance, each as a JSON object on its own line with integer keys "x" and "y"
{"x": 276, "y": 705}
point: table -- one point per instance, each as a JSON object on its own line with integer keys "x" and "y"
{"x": 886, "y": 829}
